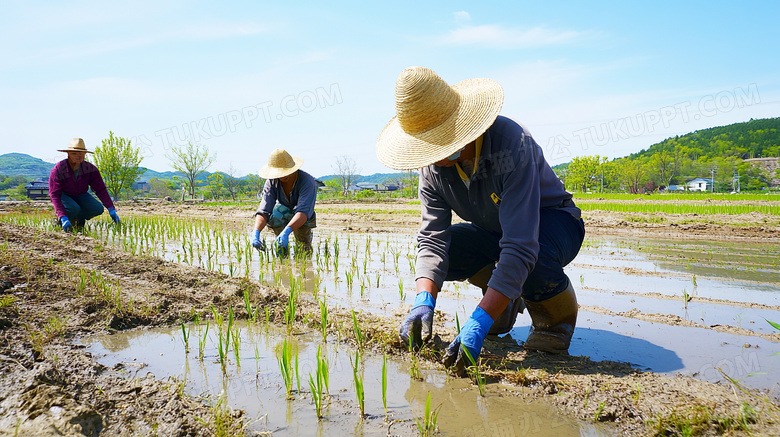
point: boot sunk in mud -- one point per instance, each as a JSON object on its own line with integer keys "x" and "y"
{"x": 552, "y": 322}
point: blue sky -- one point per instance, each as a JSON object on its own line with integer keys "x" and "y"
{"x": 317, "y": 78}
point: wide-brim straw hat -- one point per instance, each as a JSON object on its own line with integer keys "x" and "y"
{"x": 280, "y": 164}
{"x": 75, "y": 145}
{"x": 433, "y": 119}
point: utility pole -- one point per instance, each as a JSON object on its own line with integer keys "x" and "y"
{"x": 735, "y": 182}
{"x": 712, "y": 179}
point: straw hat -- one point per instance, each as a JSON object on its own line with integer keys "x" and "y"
{"x": 75, "y": 145}
{"x": 433, "y": 119}
{"x": 280, "y": 164}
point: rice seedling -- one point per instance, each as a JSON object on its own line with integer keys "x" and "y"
{"x": 473, "y": 371}
{"x": 316, "y": 392}
{"x": 686, "y": 298}
{"x": 358, "y": 383}
{"x": 598, "y": 411}
{"x": 297, "y": 375}
{"x": 185, "y": 338}
{"x": 322, "y": 363}
{"x": 202, "y": 342}
{"x": 284, "y": 357}
{"x": 237, "y": 346}
{"x": 248, "y": 306}
{"x": 289, "y": 310}
{"x": 356, "y": 327}
{"x": 384, "y": 382}
{"x": 457, "y": 323}
{"x": 324, "y": 320}
{"x": 401, "y": 288}
{"x": 427, "y": 426}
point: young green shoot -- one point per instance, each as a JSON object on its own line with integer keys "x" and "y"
{"x": 284, "y": 357}
{"x": 324, "y": 320}
{"x": 248, "y": 306}
{"x": 427, "y": 426}
{"x": 202, "y": 342}
{"x": 185, "y": 337}
{"x": 358, "y": 383}
{"x": 384, "y": 382}
{"x": 474, "y": 370}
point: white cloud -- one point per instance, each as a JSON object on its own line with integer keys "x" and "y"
{"x": 494, "y": 35}
{"x": 461, "y": 16}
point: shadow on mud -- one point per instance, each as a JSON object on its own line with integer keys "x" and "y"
{"x": 587, "y": 344}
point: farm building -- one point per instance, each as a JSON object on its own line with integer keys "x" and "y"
{"x": 38, "y": 189}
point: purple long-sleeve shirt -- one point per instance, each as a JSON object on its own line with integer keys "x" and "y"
{"x": 62, "y": 180}
{"x": 513, "y": 182}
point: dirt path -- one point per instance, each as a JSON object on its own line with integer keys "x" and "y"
{"x": 56, "y": 288}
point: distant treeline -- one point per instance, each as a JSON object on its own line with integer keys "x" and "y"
{"x": 717, "y": 154}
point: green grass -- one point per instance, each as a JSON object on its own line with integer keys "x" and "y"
{"x": 679, "y": 208}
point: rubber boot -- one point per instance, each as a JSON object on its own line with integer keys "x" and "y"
{"x": 506, "y": 320}
{"x": 552, "y": 322}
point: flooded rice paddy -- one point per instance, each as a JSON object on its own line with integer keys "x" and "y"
{"x": 675, "y": 307}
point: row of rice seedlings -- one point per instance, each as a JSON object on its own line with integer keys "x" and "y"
{"x": 681, "y": 208}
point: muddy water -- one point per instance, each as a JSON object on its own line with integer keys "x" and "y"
{"x": 256, "y": 386}
{"x": 635, "y": 291}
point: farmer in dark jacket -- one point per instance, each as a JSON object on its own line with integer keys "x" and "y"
{"x": 69, "y": 183}
{"x": 521, "y": 226}
{"x": 287, "y": 205}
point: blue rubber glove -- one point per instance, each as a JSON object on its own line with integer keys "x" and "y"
{"x": 419, "y": 323}
{"x": 471, "y": 336}
{"x": 255, "y": 240}
{"x": 66, "y": 226}
{"x": 283, "y": 239}
{"x": 114, "y": 216}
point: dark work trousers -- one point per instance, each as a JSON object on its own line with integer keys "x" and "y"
{"x": 560, "y": 239}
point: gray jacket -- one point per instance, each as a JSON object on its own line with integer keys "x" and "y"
{"x": 512, "y": 183}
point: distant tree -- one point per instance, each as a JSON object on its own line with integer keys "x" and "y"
{"x": 118, "y": 162}
{"x": 214, "y": 185}
{"x": 229, "y": 182}
{"x": 666, "y": 164}
{"x": 191, "y": 160}
{"x": 634, "y": 174}
{"x": 584, "y": 172}
{"x": 255, "y": 183}
{"x": 20, "y": 191}
{"x": 346, "y": 171}
{"x": 410, "y": 182}
{"x": 162, "y": 187}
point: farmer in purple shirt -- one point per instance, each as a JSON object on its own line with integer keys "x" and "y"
{"x": 69, "y": 183}
{"x": 521, "y": 227}
{"x": 287, "y": 205}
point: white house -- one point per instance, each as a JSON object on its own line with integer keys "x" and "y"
{"x": 699, "y": 184}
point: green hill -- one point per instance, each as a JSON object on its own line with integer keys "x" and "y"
{"x": 20, "y": 164}
{"x": 376, "y": 178}
{"x": 751, "y": 139}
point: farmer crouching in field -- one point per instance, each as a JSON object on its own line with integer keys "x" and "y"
{"x": 287, "y": 206}
{"x": 69, "y": 183}
{"x": 522, "y": 226}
